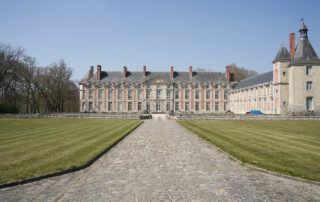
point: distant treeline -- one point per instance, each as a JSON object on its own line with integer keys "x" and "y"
{"x": 26, "y": 87}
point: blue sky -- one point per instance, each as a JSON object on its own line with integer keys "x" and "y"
{"x": 156, "y": 33}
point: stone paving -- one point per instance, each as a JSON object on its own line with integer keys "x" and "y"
{"x": 162, "y": 161}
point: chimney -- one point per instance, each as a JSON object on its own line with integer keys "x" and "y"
{"x": 228, "y": 73}
{"x": 171, "y": 75}
{"x": 98, "y": 72}
{"x": 144, "y": 71}
{"x": 124, "y": 72}
{"x": 292, "y": 44}
{"x": 190, "y": 71}
{"x": 91, "y": 72}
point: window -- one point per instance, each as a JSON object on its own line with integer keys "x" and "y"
{"x": 207, "y": 106}
{"x": 120, "y": 94}
{"x": 158, "y": 85}
{"x": 148, "y": 86}
{"x": 148, "y": 94}
{"x": 130, "y": 95}
{"x": 216, "y": 86}
{"x": 158, "y": 107}
{"x": 309, "y": 70}
{"x": 225, "y": 106}
{"x": 100, "y": 94}
{"x": 109, "y": 94}
{"x": 129, "y": 106}
{"x": 309, "y": 85}
{"x": 186, "y": 95}
{"x": 83, "y": 106}
{"x": 139, "y": 106}
{"x": 120, "y": 106}
{"x": 90, "y": 106}
{"x": 158, "y": 94}
{"x": 224, "y": 86}
{"x": 208, "y": 94}
{"x": 139, "y": 94}
{"x": 109, "y": 106}
{"x": 197, "y": 106}
{"x": 90, "y": 94}
{"x": 176, "y": 86}
{"x": 168, "y": 106}
{"x": 176, "y": 106}
{"x": 100, "y": 85}
{"x": 83, "y": 95}
{"x": 129, "y": 86}
{"x": 187, "y": 86}
{"x": 197, "y": 94}
{"x": 177, "y": 95}
{"x": 99, "y": 106}
{"x": 216, "y": 94}
{"x": 139, "y": 85}
{"x": 309, "y": 103}
{"x": 216, "y": 106}
{"x": 225, "y": 95}
{"x": 186, "y": 107}
{"x": 90, "y": 86}
{"x": 197, "y": 85}
{"x": 168, "y": 86}
{"x": 168, "y": 94}
{"x": 208, "y": 86}
{"x": 148, "y": 107}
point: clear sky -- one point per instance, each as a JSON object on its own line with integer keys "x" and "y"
{"x": 156, "y": 33}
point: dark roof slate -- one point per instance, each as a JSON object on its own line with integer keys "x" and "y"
{"x": 304, "y": 53}
{"x": 255, "y": 80}
{"x": 136, "y": 77}
{"x": 283, "y": 54}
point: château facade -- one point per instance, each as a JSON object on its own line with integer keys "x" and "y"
{"x": 291, "y": 88}
{"x": 197, "y": 92}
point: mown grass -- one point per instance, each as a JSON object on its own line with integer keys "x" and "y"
{"x": 35, "y": 147}
{"x": 287, "y": 147}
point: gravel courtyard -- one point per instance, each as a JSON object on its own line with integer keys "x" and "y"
{"x": 163, "y": 161}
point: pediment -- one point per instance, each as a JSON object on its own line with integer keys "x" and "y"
{"x": 158, "y": 80}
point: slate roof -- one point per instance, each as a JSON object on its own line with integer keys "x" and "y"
{"x": 137, "y": 77}
{"x": 282, "y": 55}
{"x": 255, "y": 80}
{"x": 304, "y": 52}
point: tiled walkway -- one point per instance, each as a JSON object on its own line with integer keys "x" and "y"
{"x": 163, "y": 161}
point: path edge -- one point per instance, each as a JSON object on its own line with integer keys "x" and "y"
{"x": 71, "y": 170}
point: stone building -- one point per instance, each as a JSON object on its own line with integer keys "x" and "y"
{"x": 291, "y": 88}
{"x": 126, "y": 91}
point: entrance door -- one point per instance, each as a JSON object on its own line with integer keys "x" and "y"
{"x": 158, "y": 108}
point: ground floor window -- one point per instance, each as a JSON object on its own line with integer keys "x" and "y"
{"x": 176, "y": 106}
{"x": 168, "y": 106}
{"x": 216, "y": 106}
{"x": 90, "y": 106}
{"x": 225, "y": 106}
{"x": 158, "y": 106}
{"x": 99, "y": 106}
{"x": 83, "y": 106}
{"x": 186, "y": 107}
{"x": 129, "y": 106}
{"x": 109, "y": 106}
{"x": 148, "y": 106}
{"x": 309, "y": 103}
{"x": 120, "y": 106}
{"x": 197, "y": 106}
{"x": 139, "y": 106}
{"x": 207, "y": 106}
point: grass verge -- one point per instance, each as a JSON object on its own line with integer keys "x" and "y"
{"x": 36, "y": 147}
{"x": 287, "y": 147}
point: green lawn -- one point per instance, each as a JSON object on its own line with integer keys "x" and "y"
{"x": 35, "y": 147}
{"x": 287, "y": 147}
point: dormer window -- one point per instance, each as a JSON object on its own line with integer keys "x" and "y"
{"x": 309, "y": 70}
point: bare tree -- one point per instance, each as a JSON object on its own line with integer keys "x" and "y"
{"x": 241, "y": 73}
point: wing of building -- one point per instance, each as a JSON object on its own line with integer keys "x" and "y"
{"x": 291, "y": 88}
{"x": 150, "y": 92}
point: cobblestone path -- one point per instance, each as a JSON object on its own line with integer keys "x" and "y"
{"x": 162, "y": 161}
